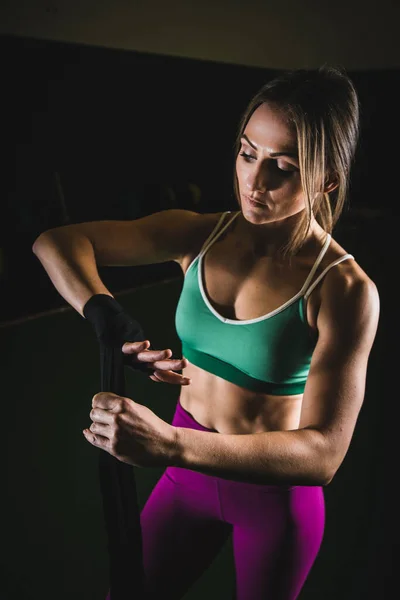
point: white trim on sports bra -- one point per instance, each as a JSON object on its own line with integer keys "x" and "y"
{"x": 209, "y": 241}
{"x": 303, "y": 291}
{"x": 332, "y": 264}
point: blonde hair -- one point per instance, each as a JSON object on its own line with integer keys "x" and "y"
{"x": 323, "y": 107}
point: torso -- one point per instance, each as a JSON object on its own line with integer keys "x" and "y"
{"x": 242, "y": 286}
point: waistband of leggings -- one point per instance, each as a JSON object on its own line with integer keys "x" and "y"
{"x": 182, "y": 418}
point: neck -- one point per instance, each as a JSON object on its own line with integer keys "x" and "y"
{"x": 267, "y": 239}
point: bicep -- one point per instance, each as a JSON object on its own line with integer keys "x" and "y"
{"x": 335, "y": 386}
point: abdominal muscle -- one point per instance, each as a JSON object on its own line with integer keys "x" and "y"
{"x": 227, "y": 408}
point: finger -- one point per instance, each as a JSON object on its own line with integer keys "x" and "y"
{"x": 172, "y": 364}
{"x": 164, "y": 365}
{"x": 152, "y": 355}
{"x": 182, "y": 382}
{"x": 100, "y": 429}
{"x": 97, "y": 440}
{"x": 130, "y": 347}
{"x": 99, "y": 415}
{"x": 154, "y": 377}
{"x": 170, "y": 377}
{"x": 108, "y": 401}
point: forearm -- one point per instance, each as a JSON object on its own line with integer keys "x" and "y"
{"x": 296, "y": 457}
{"x": 69, "y": 260}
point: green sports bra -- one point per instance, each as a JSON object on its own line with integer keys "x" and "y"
{"x": 269, "y": 354}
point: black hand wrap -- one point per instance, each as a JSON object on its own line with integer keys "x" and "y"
{"x": 113, "y": 326}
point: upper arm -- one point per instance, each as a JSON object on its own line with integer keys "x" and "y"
{"x": 334, "y": 392}
{"x": 163, "y": 236}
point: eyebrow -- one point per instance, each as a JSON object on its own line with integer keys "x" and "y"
{"x": 285, "y": 152}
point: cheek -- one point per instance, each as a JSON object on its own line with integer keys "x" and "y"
{"x": 296, "y": 185}
{"x": 291, "y": 188}
{"x": 238, "y": 168}
{"x": 299, "y": 199}
{"x": 289, "y": 195}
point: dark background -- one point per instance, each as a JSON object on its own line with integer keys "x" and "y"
{"x": 91, "y": 133}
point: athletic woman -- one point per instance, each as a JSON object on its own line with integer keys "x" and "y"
{"x": 276, "y": 321}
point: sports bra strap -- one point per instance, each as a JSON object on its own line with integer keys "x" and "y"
{"x": 306, "y": 289}
{"x": 210, "y": 238}
{"x": 332, "y": 264}
{"x": 316, "y": 264}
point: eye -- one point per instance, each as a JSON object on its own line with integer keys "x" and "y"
{"x": 247, "y": 157}
{"x": 284, "y": 168}
{"x": 287, "y": 168}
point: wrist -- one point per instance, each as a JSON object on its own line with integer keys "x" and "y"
{"x": 83, "y": 304}
{"x": 176, "y": 450}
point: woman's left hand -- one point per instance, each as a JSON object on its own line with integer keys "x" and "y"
{"x": 131, "y": 432}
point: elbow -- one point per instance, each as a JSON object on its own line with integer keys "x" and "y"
{"x": 324, "y": 462}
{"x": 333, "y": 463}
{"x": 331, "y": 466}
{"x": 327, "y": 478}
{"x": 319, "y": 477}
{"x": 39, "y": 242}
{"x": 44, "y": 239}
{"x": 36, "y": 244}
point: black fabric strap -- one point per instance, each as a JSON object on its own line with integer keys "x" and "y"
{"x": 120, "y": 504}
{"x": 121, "y": 512}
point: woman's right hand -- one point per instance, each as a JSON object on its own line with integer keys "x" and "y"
{"x": 159, "y": 362}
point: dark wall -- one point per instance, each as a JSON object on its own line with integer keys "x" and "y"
{"x": 92, "y": 133}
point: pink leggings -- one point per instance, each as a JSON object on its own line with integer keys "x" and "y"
{"x": 276, "y": 531}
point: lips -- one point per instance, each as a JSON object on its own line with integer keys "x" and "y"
{"x": 254, "y": 200}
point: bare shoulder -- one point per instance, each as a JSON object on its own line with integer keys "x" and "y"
{"x": 178, "y": 231}
{"x": 349, "y": 300}
{"x": 348, "y": 275}
{"x": 205, "y": 224}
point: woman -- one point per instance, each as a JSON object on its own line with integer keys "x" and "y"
{"x": 277, "y": 322}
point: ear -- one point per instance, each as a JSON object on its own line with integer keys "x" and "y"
{"x": 331, "y": 183}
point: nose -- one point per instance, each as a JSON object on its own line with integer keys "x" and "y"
{"x": 256, "y": 182}
{"x": 261, "y": 178}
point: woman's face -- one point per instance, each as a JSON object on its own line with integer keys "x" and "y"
{"x": 267, "y": 167}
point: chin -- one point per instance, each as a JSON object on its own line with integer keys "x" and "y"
{"x": 255, "y": 216}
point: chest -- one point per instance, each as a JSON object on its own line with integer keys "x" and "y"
{"x": 242, "y": 287}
